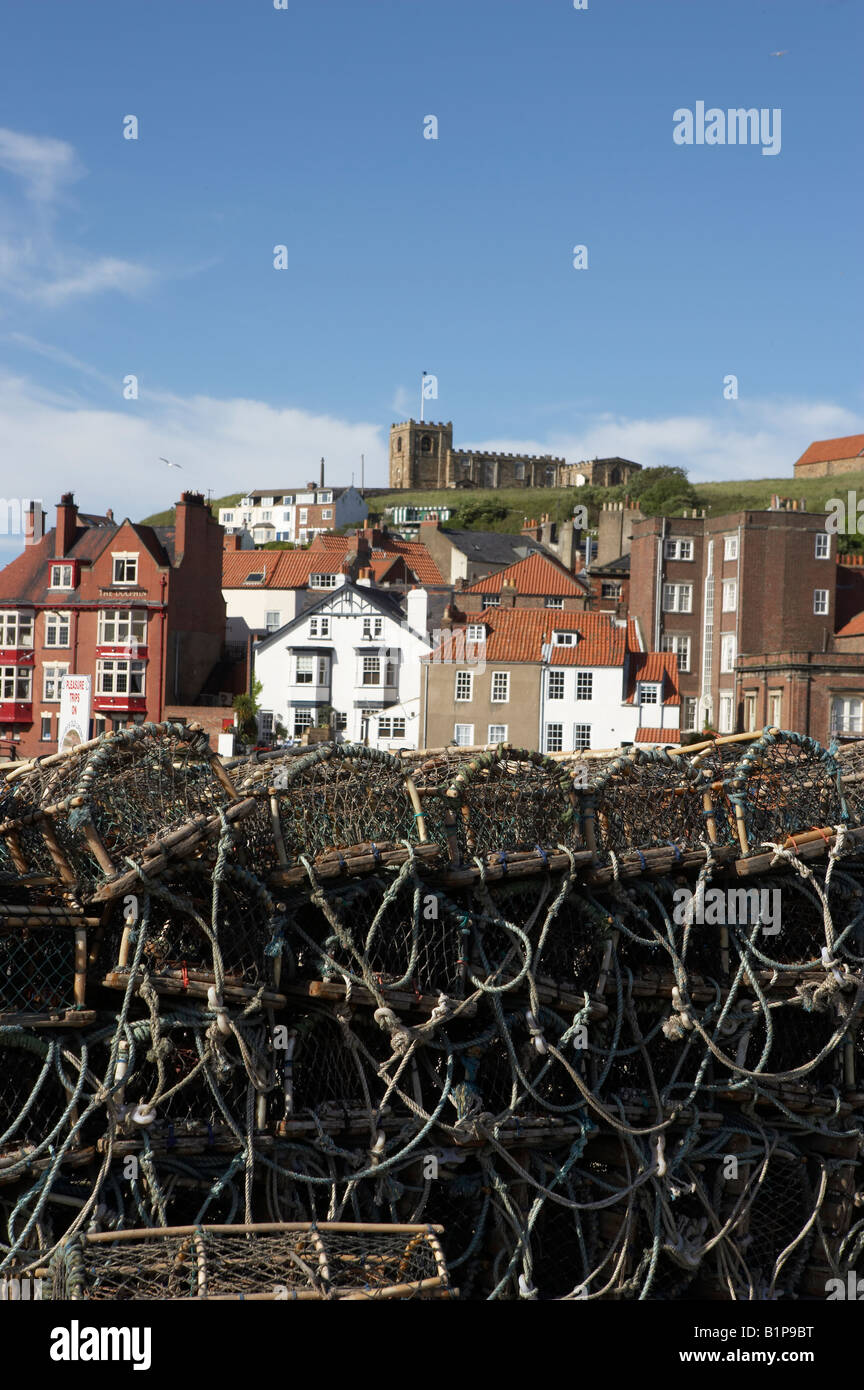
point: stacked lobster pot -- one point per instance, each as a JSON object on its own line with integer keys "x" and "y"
{"x": 349, "y": 1024}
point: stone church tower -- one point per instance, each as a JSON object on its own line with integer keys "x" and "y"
{"x": 419, "y": 454}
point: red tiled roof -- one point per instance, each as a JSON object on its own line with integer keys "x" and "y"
{"x": 518, "y": 635}
{"x": 534, "y": 575}
{"x": 854, "y": 627}
{"x": 658, "y": 735}
{"x": 850, "y": 446}
{"x": 655, "y": 666}
{"x": 414, "y": 553}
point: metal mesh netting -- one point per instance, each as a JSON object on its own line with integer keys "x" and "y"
{"x": 395, "y": 991}
{"x": 318, "y": 1262}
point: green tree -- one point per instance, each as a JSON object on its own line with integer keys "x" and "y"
{"x": 246, "y": 708}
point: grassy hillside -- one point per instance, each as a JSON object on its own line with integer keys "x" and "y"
{"x": 743, "y": 494}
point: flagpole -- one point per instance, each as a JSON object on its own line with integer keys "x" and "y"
{"x": 422, "y": 396}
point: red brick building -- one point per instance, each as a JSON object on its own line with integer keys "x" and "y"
{"x": 138, "y": 608}
{"x": 754, "y": 585}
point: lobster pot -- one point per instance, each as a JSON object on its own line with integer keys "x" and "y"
{"x": 513, "y": 799}
{"x": 80, "y": 814}
{"x": 268, "y": 1262}
{"x": 786, "y": 783}
{"x": 798, "y": 1040}
{"x": 332, "y": 798}
{"x": 38, "y": 1076}
{"x": 632, "y": 1056}
{"x": 37, "y": 971}
{"x": 333, "y": 1069}
{"x": 782, "y": 1204}
{"x": 407, "y": 938}
{"x": 186, "y": 1083}
{"x": 649, "y": 799}
{"x": 565, "y": 935}
{"x": 192, "y": 921}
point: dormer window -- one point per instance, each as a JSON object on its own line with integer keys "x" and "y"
{"x": 125, "y": 569}
{"x": 62, "y": 576}
{"x": 476, "y": 632}
{"x": 565, "y": 639}
{"x": 649, "y": 692}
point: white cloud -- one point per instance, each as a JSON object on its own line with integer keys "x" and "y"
{"x": 759, "y": 439}
{"x": 35, "y": 265}
{"x": 45, "y": 164}
{"x": 110, "y": 456}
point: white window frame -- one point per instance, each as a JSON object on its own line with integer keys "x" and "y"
{"x": 16, "y": 684}
{"x": 729, "y": 602}
{"x": 372, "y": 628}
{"x": 690, "y": 713}
{"x": 846, "y": 714}
{"x": 775, "y": 702}
{"x": 497, "y": 737}
{"x": 326, "y": 513}
{"x": 725, "y": 715}
{"x": 678, "y": 548}
{"x": 16, "y": 629}
{"x": 553, "y": 737}
{"x": 52, "y": 681}
{"x": 464, "y": 682}
{"x": 319, "y": 627}
{"x": 304, "y": 668}
{"x": 565, "y": 639}
{"x": 57, "y": 577}
{"x": 677, "y": 598}
{"x": 581, "y": 737}
{"x": 500, "y": 682}
{"x": 678, "y": 643}
{"x": 272, "y": 619}
{"x": 584, "y": 685}
{"x": 555, "y": 684}
{"x": 552, "y": 602}
{"x": 728, "y": 644}
{"x": 475, "y": 632}
{"x": 463, "y": 735}
{"x": 120, "y": 667}
{"x": 730, "y": 547}
{"x": 119, "y": 627}
{"x": 323, "y": 581}
{"x": 43, "y": 720}
{"x": 302, "y": 719}
{"x": 649, "y": 693}
{"x": 126, "y": 558}
{"x": 822, "y": 548}
{"x": 820, "y": 602}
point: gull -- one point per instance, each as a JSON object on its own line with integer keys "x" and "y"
{"x": 169, "y": 463}
{"x": 781, "y": 53}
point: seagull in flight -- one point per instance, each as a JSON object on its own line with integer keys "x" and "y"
{"x": 781, "y": 53}
{"x": 169, "y": 463}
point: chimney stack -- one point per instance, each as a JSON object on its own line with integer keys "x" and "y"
{"x": 67, "y": 525}
{"x": 322, "y": 472}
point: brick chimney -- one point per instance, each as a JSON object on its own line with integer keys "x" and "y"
{"x": 231, "y": 541}
{"x": 508, "y": 595}
{"x": 190, "y": 524}
{"x": 67, "y": 525}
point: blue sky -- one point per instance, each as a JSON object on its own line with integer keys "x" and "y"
{"x": 304, "y": 127}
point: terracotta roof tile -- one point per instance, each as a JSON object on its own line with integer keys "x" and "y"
{"x": 655, "y": 666}
{"x": 658, "y": 735}
{"x": 518, "y": 635}
{"x": 849, "y": 446}
{"x": 534, "y": 575}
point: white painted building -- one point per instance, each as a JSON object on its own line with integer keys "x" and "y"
{"x": 292, "y": 515}
{"x": 355, "y": 652}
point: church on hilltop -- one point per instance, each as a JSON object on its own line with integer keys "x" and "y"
{"x": 422, "y": 456}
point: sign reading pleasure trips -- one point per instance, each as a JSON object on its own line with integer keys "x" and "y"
{"x": 74, "y": 724}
